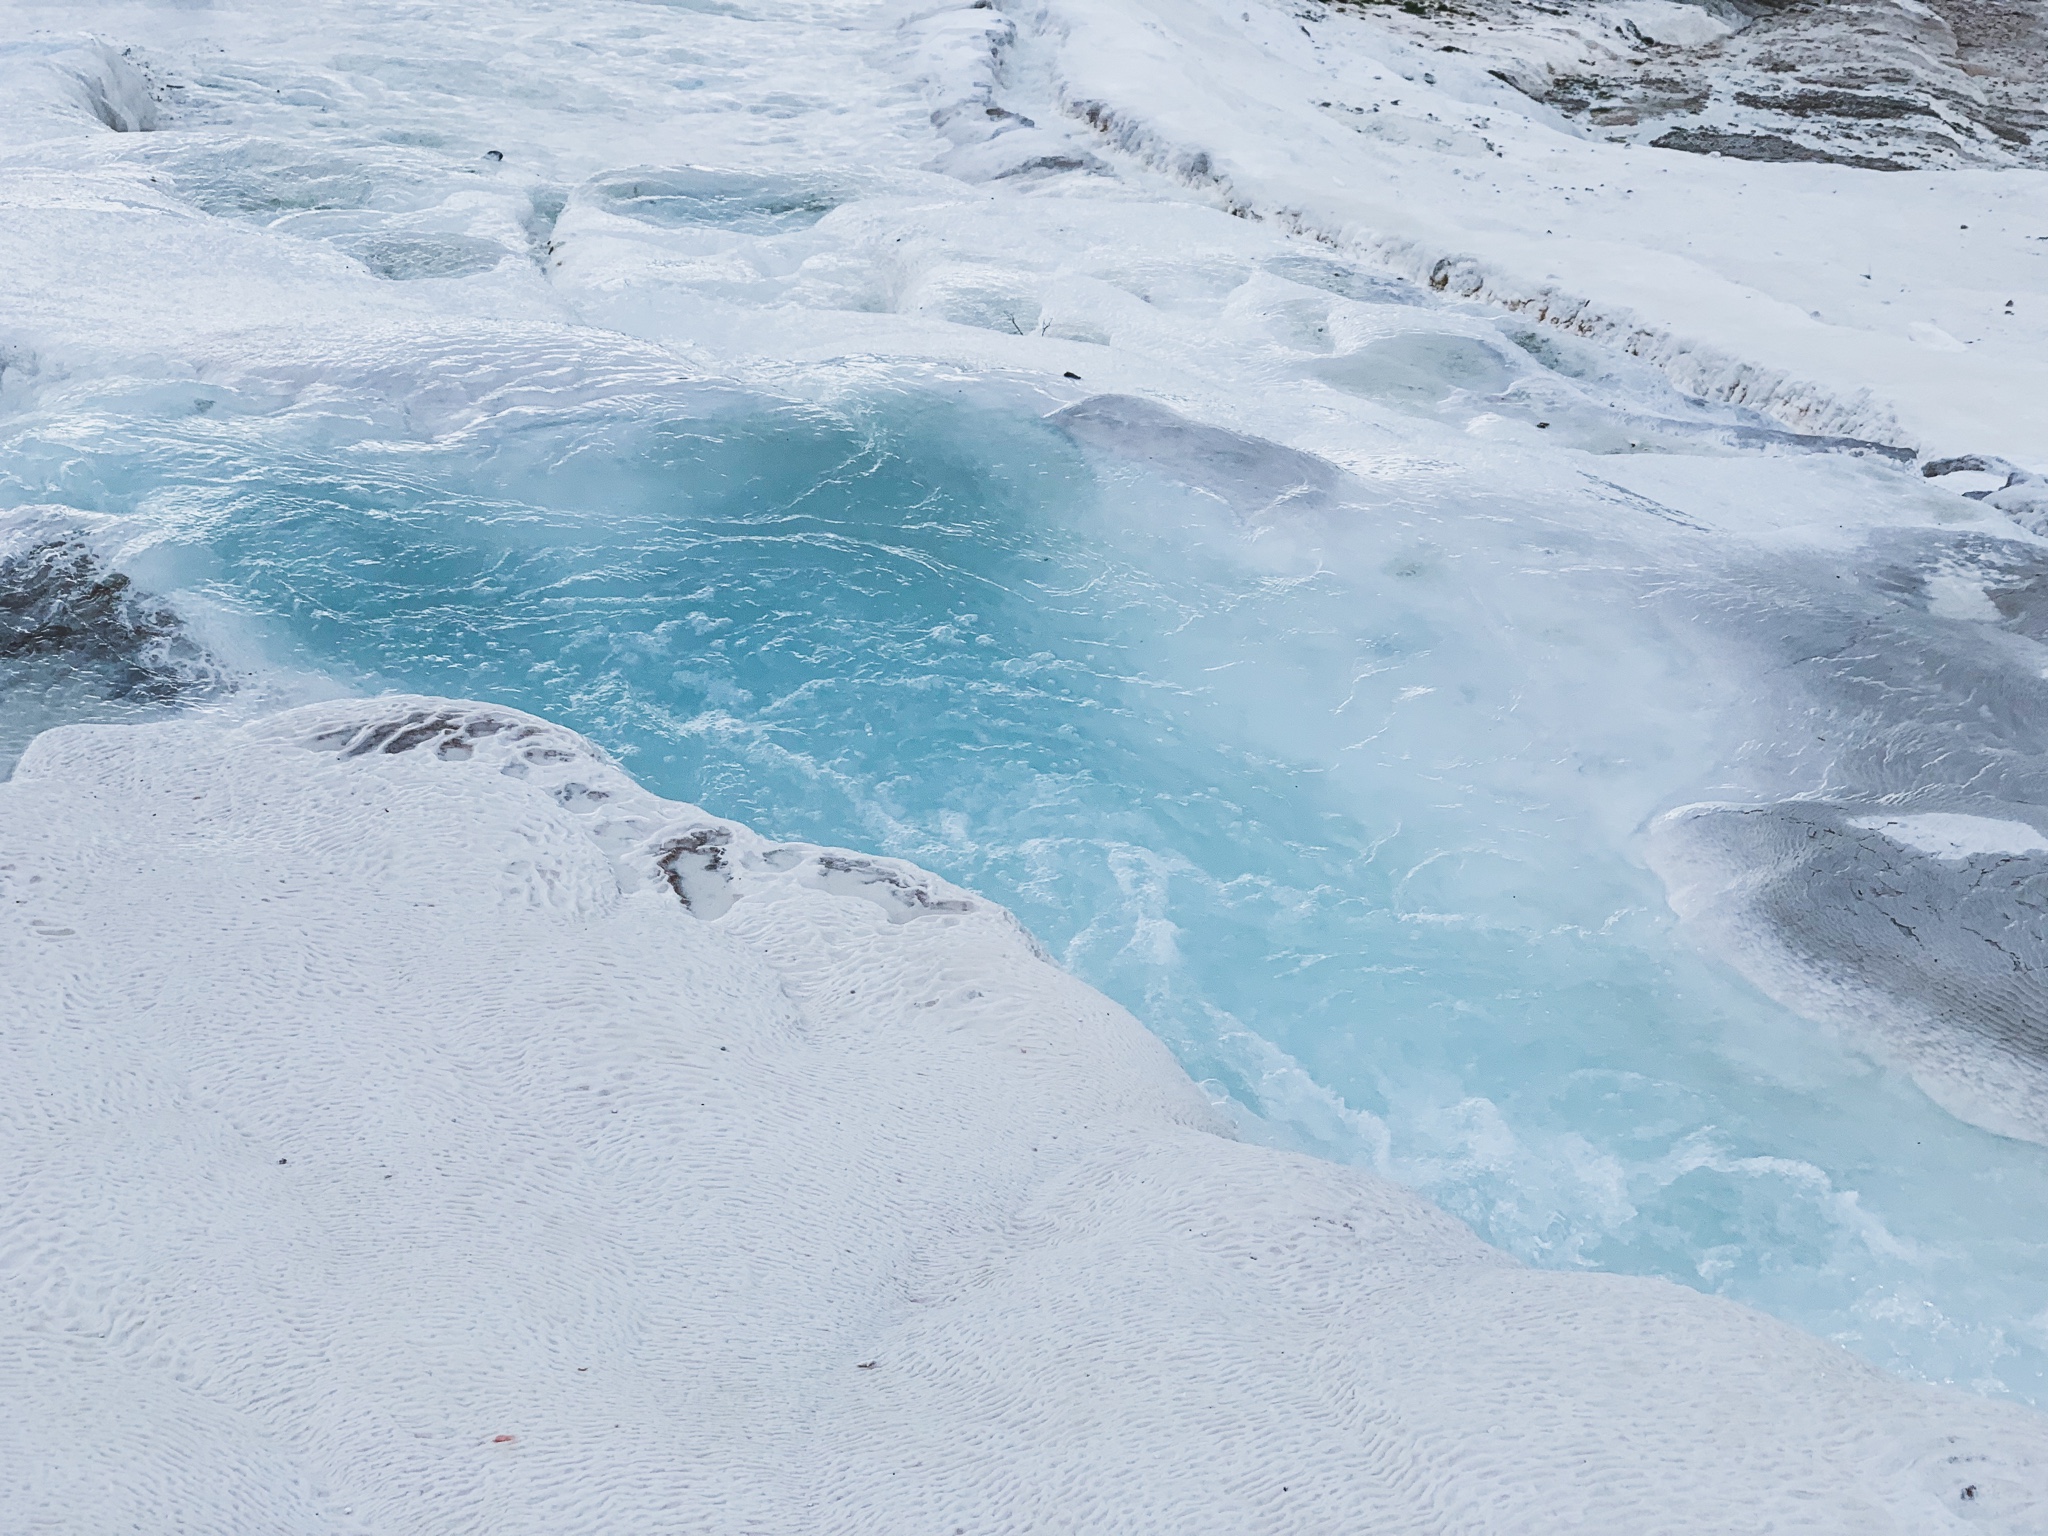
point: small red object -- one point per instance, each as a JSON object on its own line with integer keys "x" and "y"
{"x": 503, "y": 1439}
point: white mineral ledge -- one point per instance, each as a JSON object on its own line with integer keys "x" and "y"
{"x": 417, "y": 1127}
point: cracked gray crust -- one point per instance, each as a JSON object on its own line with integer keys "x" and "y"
{"x": 1880, "y": 84}
{"x": 1887, "y": 706}
{"x": 1934, "y": 963}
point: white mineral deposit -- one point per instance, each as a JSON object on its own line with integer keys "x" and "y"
{"x": 895, "y": 766}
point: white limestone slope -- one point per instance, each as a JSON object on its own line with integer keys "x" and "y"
{"x": 413, "y": 1126}
{"x": 1909, "y": 307}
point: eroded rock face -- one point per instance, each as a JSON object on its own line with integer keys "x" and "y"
{"x": 77, "y": 638}
{"x": 60, "y": 606}
{"x": 1880, "y": 84}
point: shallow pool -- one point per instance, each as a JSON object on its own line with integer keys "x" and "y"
{"x": 1341, "y": 793}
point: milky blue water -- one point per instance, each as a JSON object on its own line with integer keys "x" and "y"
{"x": 1342, "y": 804}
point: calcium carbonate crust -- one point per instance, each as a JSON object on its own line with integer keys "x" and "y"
{"x": 1917, "y": 951}
{"x": 418, "y": 1127}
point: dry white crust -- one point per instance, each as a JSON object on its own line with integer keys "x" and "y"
{"x": 411, "y": 1125}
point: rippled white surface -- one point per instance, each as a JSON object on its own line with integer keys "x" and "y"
{"x": 420, "y": 1127}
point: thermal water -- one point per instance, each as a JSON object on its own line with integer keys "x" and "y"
{"x": 1338, "y": 781}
